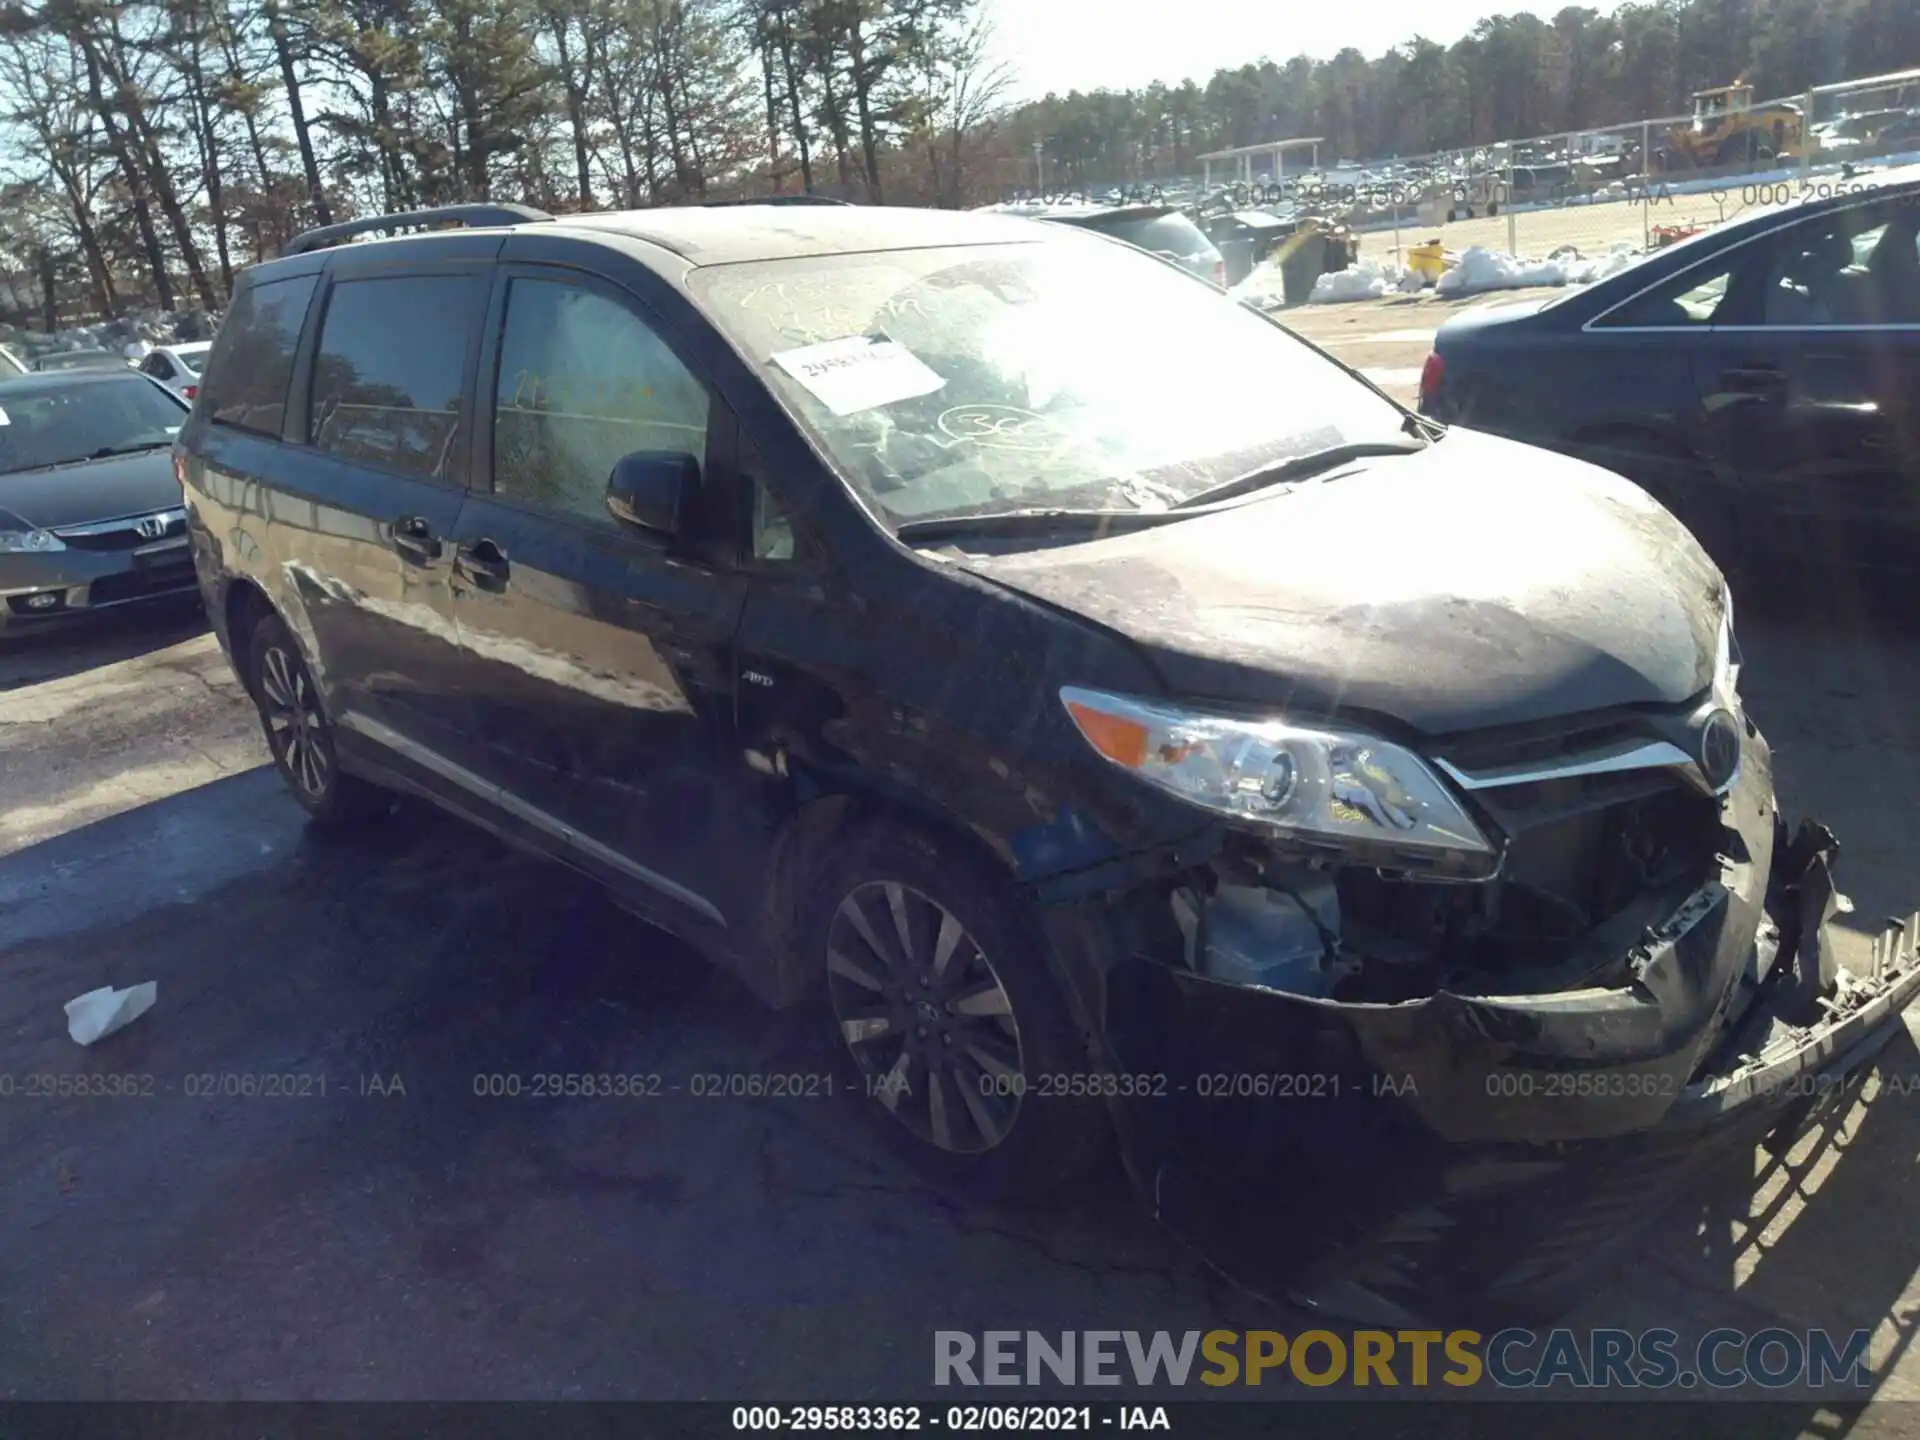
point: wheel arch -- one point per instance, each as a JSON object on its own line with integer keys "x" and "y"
{"x": 807, "y": 836}
{"x": 242, "y": 609}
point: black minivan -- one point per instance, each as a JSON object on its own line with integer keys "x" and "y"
{"x": 1118, "y": 717}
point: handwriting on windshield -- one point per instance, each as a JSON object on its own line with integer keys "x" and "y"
{"x": 1001, "y": 427}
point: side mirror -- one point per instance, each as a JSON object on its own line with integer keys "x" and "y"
{"x": 654, "y": 489}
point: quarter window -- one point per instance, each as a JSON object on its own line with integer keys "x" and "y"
{"x": 252, "y": 360}
{"x": 583, "y": 381}
{"x": 390, "y": 371}
{"x": 772, "y": 526}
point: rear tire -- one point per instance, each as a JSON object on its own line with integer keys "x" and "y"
{"x": 299, "y": 733}
{"x": 948, "y": 1017}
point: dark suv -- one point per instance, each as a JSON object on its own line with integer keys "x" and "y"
{"x": 1119, "y": 718}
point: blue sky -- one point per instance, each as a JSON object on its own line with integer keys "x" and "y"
{"x": 1063, "y": 45}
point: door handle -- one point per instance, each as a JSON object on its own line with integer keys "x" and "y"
{"x": 484, "y": 563}
{"x": 413, "y": 539}
{"x": 1753, "y": 378}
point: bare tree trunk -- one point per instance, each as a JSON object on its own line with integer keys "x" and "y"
{"x": 230, "y": 52}
{"x": 836, "y": 114}
{"x": 785, "y": 34}
{"x": 136, "y": 182}
{"x": 283, "y": 51}
{"x": 99, "y": 273}
{"x": 693, "y": 136}
{"x": 576, "y": 87}
{"x": 208, "y": 143}
{"x": 773, "y": 110}
{"x": 164, "y": 192}
{"x": 49, "y": 288}
{"x": 663, "y": 86}
{"x": 623, "y": 137}
{"x": 863, "y": 107}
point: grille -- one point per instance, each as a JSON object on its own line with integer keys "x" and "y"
{"x": 123, "y": 534}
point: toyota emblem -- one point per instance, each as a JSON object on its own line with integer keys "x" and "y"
{"x": 1719, "y": 747}
{"x": 152, "y": 527}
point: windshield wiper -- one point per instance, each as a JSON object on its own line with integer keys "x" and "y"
{"x": 1029, "y": 522}
{"x": 1297, "y": 467}
{"x": 105, "y": 450}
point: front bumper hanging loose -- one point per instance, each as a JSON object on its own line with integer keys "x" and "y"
{"x": 1465, "y": 1156}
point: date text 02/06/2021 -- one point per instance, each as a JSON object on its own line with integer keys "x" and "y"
{"x": 957, "y": 1419}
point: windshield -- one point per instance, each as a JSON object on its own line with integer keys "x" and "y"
{"x": 1067, "y": 372}
{"x": 60, "y": 422}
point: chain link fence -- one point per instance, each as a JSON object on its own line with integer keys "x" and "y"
{"x": 1577, "y": 205}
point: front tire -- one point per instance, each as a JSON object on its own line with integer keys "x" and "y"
{"x": 299, "y": 734}
{"x": 949, "y": 1017}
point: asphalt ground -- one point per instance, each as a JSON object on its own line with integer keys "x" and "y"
{"x": 388, "y": 1233}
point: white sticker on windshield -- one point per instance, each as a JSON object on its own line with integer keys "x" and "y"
{"x": 859, "y": 373}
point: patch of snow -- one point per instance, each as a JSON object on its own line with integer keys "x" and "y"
{"x": 1368, "y": 280}
{"x": 1481, "y": 269}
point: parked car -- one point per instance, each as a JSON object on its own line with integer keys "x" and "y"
{"x": 90, "y": 511}
{"x": 1077, "y": 686}
{"x": 178, "y": 366}
{"x": 1159, "y": 229}
{"x": 1762, "y": 379}
{"x": 79, "y": 360}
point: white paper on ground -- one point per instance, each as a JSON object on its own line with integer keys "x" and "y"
{"x": 859, "y": 373}
{"x": 3, "y": 418}
{"x": 103, "y": 1011}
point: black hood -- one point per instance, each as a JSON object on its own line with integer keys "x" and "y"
{"x": 95, "y": 490}
{"x": 1477, "y": 583}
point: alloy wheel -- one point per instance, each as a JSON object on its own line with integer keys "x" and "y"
{"x": 926, "y": 1017}
{"x": 295, "y": 725}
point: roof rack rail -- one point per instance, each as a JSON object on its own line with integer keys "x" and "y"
{"x": 329, "y": 235}
{"x": 777, "y": 200}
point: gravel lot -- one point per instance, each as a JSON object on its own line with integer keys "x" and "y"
{"x": 436, "y": 1244}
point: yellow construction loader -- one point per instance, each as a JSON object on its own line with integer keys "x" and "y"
{"x": 1728, "y": 129}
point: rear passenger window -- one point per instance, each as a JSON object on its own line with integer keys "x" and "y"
{"x": 584, "y": 380}
{"x": 252, "y": 360}
{"x": 391, "y": 367}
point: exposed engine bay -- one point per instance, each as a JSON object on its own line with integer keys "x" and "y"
{"x": 1591, "y": 864}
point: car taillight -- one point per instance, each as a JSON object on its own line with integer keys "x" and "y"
{"x": 1220, "y": 273}
{"x": 1431, "y": 374}
{"x": 190, "y": 391}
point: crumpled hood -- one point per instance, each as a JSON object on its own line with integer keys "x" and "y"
{"x": 97, "y": 490}
{"x": 1480, "y": 582}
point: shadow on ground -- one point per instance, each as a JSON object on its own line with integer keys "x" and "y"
{"x": 37, "y": 656}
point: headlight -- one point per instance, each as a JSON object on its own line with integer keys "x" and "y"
{"x": 29, "y": 542}
{"x": 1338, "y": 788}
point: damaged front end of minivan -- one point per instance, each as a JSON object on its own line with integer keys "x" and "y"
{"x": 1445, "y": 1073}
